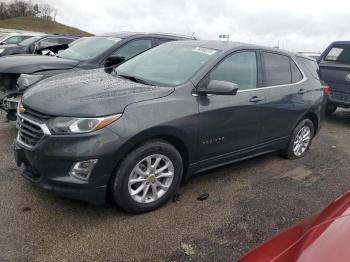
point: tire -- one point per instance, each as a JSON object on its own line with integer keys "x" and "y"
{"x": 330, "y": 108}
{"x": 136, "y": 167}
{"x": 289, "y": 152}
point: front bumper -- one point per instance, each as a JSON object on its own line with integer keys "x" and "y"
{"x": 48, "y": 164}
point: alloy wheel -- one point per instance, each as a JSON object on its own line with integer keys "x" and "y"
{"x": 151, "y": 178}
{"x": 302, "y": 141}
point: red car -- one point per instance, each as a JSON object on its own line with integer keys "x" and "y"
{"x": 324, "y": 237}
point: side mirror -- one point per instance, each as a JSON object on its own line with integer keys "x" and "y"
{"x": 114, "y": 60}
{"x": 217, "y": 87}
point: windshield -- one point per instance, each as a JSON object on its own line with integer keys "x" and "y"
{"x": 30, "y": 41}
{"x": 88, "y": 48}
{"x": 167, "y": 65}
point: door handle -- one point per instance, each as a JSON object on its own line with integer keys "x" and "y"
{"x": 301, "y": 91}
{"x": 256, "y": 99}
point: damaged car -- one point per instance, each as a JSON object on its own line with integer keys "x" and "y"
{"x": 173, "y": 111}
{"x": 36, "y": 44}
{"x": 17, "y": 73}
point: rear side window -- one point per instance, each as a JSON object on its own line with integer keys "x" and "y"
{"x": 296, "y": 74}
{"x": 277, "y": 69}
{"x": 239, "y": 68}
{"x": 338, "y": 54}
{"x": 309, "y": 65}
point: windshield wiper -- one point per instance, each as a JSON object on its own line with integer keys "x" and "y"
{"x": 135, "y": 79}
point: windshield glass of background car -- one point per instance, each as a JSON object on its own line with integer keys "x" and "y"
{"x": 88, "y": 48}
{"x": 168, "y": 64}
{"x": 30, "y": 41}
{"x": 339, "y": 54}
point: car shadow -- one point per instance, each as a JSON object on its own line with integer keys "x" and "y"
{"x": 341, "y": 116}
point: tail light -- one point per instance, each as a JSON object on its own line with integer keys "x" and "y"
{"x": 326, "y": 90}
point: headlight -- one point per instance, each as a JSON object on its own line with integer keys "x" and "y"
{"x": 24, "y": 81}
{"x": 2, "y": 50}
{"x": 70, "y": 125}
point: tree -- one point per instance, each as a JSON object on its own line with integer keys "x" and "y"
{"x": 18, "y": 8}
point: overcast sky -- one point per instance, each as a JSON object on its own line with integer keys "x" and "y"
{"x": 298, "y": 25}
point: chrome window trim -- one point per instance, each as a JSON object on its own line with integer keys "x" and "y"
{"x": 304, "y": 79}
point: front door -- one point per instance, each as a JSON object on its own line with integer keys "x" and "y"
{"x": 229, "y": 123}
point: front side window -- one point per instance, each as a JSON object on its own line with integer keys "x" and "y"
{"x": 65, "y": 41}
{"x": 239, "y": 68}
{"x": 339, "y": 54}
{"x": 88, "y": 48}
{"x": 49, "y": 42}
{"x": 167, "y": 64}
{"x": 30, "y": 41}
{"x": 277, "y": 69}
{"x": 133, "y": 48}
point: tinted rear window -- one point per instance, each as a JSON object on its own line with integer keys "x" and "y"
{"x": 310, "y": 65}
{"x": 339, "y": 54}
{"x": 296, "y": 74}
{"x": 277, "y": 69}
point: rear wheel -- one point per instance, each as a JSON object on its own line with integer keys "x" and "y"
{"x": 331, "y": 108}
{"x": 148, "y": 177}
{"x": 300, "y": 141}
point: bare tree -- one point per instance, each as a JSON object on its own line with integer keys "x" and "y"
{"x": 54, "y": 13}
{"x": 17, "y": 8}
{"x": 45, "y": 11}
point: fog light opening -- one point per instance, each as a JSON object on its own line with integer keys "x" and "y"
{"x": 83, "y": 169}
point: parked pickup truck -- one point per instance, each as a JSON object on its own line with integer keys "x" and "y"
{"x": 334, "y": 65}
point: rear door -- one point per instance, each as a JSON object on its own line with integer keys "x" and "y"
{"x": 335, "y": 71}
{"x": 230, "y": 123}
{"x": 286, "y": 94}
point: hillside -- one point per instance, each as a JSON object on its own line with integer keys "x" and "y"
{"x": 40, "y": 25}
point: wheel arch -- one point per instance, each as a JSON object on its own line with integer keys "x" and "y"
{"x": 314, "y": 119}
{"x": 173, "y": 136}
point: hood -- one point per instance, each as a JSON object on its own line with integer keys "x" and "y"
{"x": 324, "y": 237}
{"x": 89, "y": 93}
{"x": 27, "y": 64}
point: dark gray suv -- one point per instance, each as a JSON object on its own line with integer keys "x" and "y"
{"x": 173, "y": 111}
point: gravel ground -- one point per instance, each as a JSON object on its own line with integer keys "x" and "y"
{"x": 248, "y": 203}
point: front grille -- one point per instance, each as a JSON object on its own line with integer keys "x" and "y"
{"x": 29, "y": 133}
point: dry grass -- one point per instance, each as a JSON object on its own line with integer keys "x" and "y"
{"x": 40, "y": 25}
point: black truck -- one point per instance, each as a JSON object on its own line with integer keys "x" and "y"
{"x": 334, "y": 65}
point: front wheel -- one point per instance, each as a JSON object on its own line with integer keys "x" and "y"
{"x": 148, "y": 177}
{"x": 300, "y": 141}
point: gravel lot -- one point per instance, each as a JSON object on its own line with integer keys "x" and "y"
{"x": 248, "y": 203}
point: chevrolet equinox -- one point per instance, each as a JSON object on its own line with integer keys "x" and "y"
{"x": 164, "y": 115}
